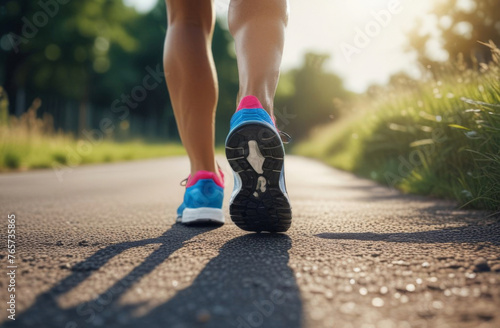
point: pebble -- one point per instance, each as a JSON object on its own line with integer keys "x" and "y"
{"x": 470, "y": 275}
{"x": 480, "y": 265}
{"x": 83, "y": 243}
{"x": 426, "y": 314}
{"x": 434, "y": 286}
{"x": 203, "y": 316}
{"x": 495, "y": 268}
{"x": 479, "y": 247}
{"x": 377, "y": 302}
{"x": 438, "y": 305}
{"x": 410, "y": 287}
{"x": 453, "y": 266}
{"x": 65, "y": 266}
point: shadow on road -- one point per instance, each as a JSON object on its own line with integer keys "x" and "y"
{"x": 249, "y": 284}
{"x": 467, "y": 234}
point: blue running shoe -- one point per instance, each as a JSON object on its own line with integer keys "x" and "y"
{"x": 256, "y": 154}
{"x": 202, "y": 199}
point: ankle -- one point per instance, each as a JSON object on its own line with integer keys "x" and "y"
{"x": 214, "y": 168}
{"x": 266, "y": 101}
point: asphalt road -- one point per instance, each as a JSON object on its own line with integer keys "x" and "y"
{"x": 100, "y": 249}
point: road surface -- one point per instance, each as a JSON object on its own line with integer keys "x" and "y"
{"x": 100, "y": 249}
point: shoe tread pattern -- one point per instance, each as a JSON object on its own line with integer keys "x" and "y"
{"x": 256, "y": 208}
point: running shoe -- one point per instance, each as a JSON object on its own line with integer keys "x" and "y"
{"x": 202, "y": 199}
{"x": 255, "y": 151}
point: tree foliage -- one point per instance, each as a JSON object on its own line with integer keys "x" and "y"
{"x": 56, "y": 46}
{"x": 309, "y": 96}
{"x": 94, "y": 53}
{"x": 458, "y": 26}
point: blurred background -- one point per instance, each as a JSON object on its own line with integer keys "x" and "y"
{"x": 403, "y": 92}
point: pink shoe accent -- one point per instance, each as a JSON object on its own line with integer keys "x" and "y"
{"x": 201, "y": 175}
{"x": 249, "y": 102}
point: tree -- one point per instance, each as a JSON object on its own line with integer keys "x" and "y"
{"x": 308, "y": 96}
{"x": 460, "y": 25}
{"x": 55, "y": 46}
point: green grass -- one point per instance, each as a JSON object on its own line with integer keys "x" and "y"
{"x": 49, "y": 151}
{"x": 30, "y": 142}
{"x": 438, "y": 137}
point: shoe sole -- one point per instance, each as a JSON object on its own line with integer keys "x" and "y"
{"x": 256, "y": 155}
{"x": 205, "y": 215}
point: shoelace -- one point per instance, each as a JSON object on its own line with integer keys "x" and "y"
{"x": 285, "y": 137}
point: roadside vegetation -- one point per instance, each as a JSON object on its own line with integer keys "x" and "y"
{"x": 438, "y": 136}
{"x": 29, "y": 142}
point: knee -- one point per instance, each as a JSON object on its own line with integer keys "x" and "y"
{"x": 262, "y": 11}
{"x": 192, "y": 13}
